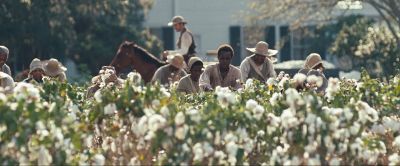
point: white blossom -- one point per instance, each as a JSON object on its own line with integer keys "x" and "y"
{"x": 44, "y": 156}
{"x": 110, "y": 109}
{"x": 156, "y": 122}
{"x": 258, "y": 111}
{"x": 198, "y": 152}
{"x": 333, "y": 88}
{"x": 179, "y": 118}
{"x": 396, "y": 142}
{"x": 180, "y": 132}
{"x": 99, "y": 159}
{"x": 394, "y": 159}
{"x": 251, "y": 104}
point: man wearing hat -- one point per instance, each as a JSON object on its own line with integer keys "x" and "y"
{"x": 190, "y": 83}
{"x": 36, "y": 72}
{"x": 223, "y": 73}
{"x": 185, "y": 44}
{"x": 258, "y": 66}
{"x": 173, "y": 72}
{"x": 54, "y": 69}
{"x": 4, "y": 52}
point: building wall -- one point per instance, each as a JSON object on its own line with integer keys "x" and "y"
{"x": 211, "y": 21}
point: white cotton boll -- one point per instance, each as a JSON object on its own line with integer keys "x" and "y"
{"x": 164, "y": 111}
{"x": 231, "y": 149}
{"x": 378, "y": 128}
{"x": 110, "y": 109}
{"x": 315, "y": 80}
{"x": 155, "y": 103}
{"x": 179, "y": 118}
{"x": 288, "y": 119}
{"x": 180, "y": 132}
{"x": 311, "y": 118}
{"x": 355, "y": 128}
{"x": 394, "y": 159}
{"x": 99, "y": 159}
{"x": 275, "y": 98}
{"x": 251, "y": 104}
{"x": 249, "y": 83}
{"x": 44, "y": 156}
{"x": 194, "y": 115}
{"x": 299, "y": 78}
{"x": 208, "y": 149}
{"x": 230, "y": 137}
{"x": 334, "y": 161}
{"x": 98, "y": 96}
{"x": 261, "y": 133}
{"x": 348, "y": 113}
{"x": 156, "y": 122}
{"x": 314, "y": 161}
{"x": 390, "y": 123}
{"x": 258, "y": 111}
{"x": 142, "y": 127}
{"x": 396, "y": 142}
{"x": 271, "y": 81}
{"x": 198, "y": 152}
{"x": 333, "y": 88}
{"x": 293, "y": 98}
{"x": 3, "y": 97}
{"x": 134, "y": 161}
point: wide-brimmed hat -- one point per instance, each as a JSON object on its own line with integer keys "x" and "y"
{"x": 35, "y": 64}
{"x": 262, "y": 49}
{"x": 53, "y": 67}
{"x": 312, "y": 60}
{"x": 177, "y": 20}
{"x": 176, "y": 60}
{"x": 193, "y": 60}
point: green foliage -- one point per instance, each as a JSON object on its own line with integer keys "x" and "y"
{"x": 373, "y": 48}
{"x": 147, "y": 124}
{"x": 80, "y": 30}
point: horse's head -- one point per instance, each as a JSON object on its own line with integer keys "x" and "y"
{"x": 124, "y": 57}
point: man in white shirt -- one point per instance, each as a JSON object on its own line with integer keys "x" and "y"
{"x": 221, "y": 74}
{"x": 185, "y": 44}
{"x": 259, "y": 65}
{"x": 4, "y": 52}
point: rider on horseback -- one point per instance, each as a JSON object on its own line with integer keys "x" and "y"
{"x": 185, "y": 44}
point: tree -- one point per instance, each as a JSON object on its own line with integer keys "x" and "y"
{"x": 305, "y": 11}
{"x": 373, "y": 48}
{"x": 86, "y": 31}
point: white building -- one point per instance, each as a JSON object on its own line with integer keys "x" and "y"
{"x": 214, "y": 22}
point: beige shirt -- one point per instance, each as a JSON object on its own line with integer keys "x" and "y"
{"x": 6, "y": 69}
{"x": 245, "y": 68}
{"x": 187, "y": 85}
{"x": 164, "y": 76}
{"x": 186, "y": 41}
{"x": 212, "y": 78}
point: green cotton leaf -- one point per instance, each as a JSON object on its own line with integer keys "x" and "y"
{"x": 240, "y": 156}
{"x": 76, "y": 141}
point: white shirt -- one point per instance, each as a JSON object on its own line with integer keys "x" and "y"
{"x": 245, "y": 67}
{"x": 186, "y": 41}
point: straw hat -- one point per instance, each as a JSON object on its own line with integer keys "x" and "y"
{"x": 312, "y": 60}
{"x": 176, "y": 60}
{"x": 35, "y": 64}
{"x": 194, "y": 60}
{"x": 177, "y": 20}
{"x": 53, "y": 67}
{"x": 262, "y": 49}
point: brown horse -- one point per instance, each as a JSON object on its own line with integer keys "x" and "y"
{"x": 131, "y": 56}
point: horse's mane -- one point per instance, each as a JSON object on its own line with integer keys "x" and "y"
{"x": 143, "y": 53}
